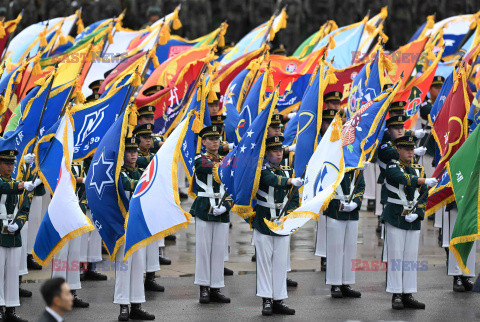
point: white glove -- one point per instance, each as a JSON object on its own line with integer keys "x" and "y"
{"x": 420, "y": 151}
{"x": 411, "y": 217}
{"x": 277, "y": 221}
{"x": 297, "y": 182}
{"x": 83, "y": 180}
{"x": 292, "y": 148}
{"x": 230, "y": 146}
{"x": 349, "y": 207}
{"x": 291, "y": 115}
{"x": 29, "y": 158}
{"x": 420, "y": 133}
{"x": 219, "y": 211}
{"x": 12, "y": 228}
{"x": 37, "y": 182}
{"x": 29, "y": 185}
{"x": 365, "y": 165}
{"x": 431, "y": 182}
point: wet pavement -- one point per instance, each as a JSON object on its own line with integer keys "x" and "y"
{"x": 311, "y": 299}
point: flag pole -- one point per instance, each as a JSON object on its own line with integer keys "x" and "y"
{"x": 9, "y": 39}
{"x": 27, "y": 169}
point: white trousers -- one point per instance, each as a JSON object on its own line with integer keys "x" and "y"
{"x": 209, "y": 252}
{"x": 225, "y": 258}
{"x": 181, "y": 178}
{"x": 378, "y": 193}
{"x": 9, "y": 261}
{"x": 272, "y": 253}
{"x": 152, "y": 259}
{"x": 445, "y": 227}
{"x": 289, "y": 268}
{"x": 370, "y": 176}
{"x": 402, "y": 252}
{"x": 129, "y": 287}
{"x": 34, "y": 219}
{"x": 23, "y": 270}
{"x": 161, "y": 242}
{"x": 66, "y": 263}
{"x": 46, "y": 198}
{"x": 91, "y": 249}
{"x": 321, "y": 242}
{"x": 341, "y": 251}
{"x": 453, "y": 269}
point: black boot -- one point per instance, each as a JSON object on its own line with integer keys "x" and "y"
{"x": 78, "y": 302}
{"x": 137, "y": 313}
{"x": 336, "y": 292}
{"x": 371, "y": 205}
{"x": 410, "y": 302}
{"x": 2, "y": 314}
{"x": 347, "y": 291}
{"x": 458, "y": 285}
{"x": 23, "y": 292}
{"x": 379, "y": 228}
{"x": 267, "y": 307}
{"x": 164, "y": 261}
{"x": 216, "y": 296}
{"x": 204, "y": 295}
{"x": 397, "y": 303}
{"x": 32, "y": 264}
{"x": 151, "y": 285}
{"x": 291, "y": 283}
{"x": 124, "y": 315}
{"x": 254, "y": 258}
{"x": 280, "y": 308}
{"x": 91, "y": 275}
{"x": 227, "y": 272}
{"x": 171, "y": 238}
{"x": 467, "y": 283}
{"x": 10, "y": 316}
{"x": 323, "y": 264}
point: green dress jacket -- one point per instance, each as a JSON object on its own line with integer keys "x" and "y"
{"x": 9, "y": 190}
{"x": 347, "y": 184}
{"x": 402, "y": 184}
{"x": 273, "y": 190}
{"x": 209, "y": 189}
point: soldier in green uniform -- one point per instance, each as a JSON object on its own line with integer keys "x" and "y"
{"x": 129, "y": 285}
{"x": 406, "y": 183}
{"x": 342, "y": 231}
{"x": 11, "y": 223}
{"x": 211, "y": 220}
{"x": 321, "y": 241}
{"x": 272, "y": 250}
{"x": 146, "y": 115}
{"x": 144, "y": 135}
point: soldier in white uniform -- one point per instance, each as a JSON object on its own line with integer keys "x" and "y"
{"x": 11, "y": 224}
{"x": 129, "y": 287}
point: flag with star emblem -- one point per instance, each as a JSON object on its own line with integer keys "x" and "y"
{"x": 465, "y": 182}
{"x": 240, "y": 169}
{"x": 324, "y": 173}
{"x": 231, "y": 100}
{"x": 104, "y": 190}
{"x": 56, "y": 229}
{"x": 155, "y": 210}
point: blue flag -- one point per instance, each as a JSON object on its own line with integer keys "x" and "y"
{"x": 231, "y": 101}
{"x": 290, "y": 132}
{"x": 442, "y": 96}
{"x": 92, "y": 120}
{"x": 242, "y": 166}
{"x": 472, "y": 115}
{"x": 106, "y": 198}
{"x": 363, "y": 132}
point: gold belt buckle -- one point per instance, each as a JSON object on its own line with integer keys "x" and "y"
{"x": 279, "y": 205}
{"x": 217, "y": 195}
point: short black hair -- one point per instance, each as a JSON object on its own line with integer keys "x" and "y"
{"x": 51, "y": 289}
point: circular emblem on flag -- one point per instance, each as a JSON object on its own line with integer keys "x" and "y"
{"x": 353, "y": 75}
{"x": 326, "y": 176}
{"x": 148, "y": 177}
{"x": 291, "y": 67}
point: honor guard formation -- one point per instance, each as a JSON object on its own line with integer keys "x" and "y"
{"x": 111, "y": 128}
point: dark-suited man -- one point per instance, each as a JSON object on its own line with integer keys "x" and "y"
{"x": 58, "y": 298}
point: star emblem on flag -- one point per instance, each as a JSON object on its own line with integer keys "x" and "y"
{"x": 102, "y": 174}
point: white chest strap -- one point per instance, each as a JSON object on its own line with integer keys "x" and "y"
{"x": 3, "y": 211}
{"x": 213, "y": 197}
{"x": 340, "y": 195}
{"x": 402, "y": 197}
{"x": 270, "y": 200}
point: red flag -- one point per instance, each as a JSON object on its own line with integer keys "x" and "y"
{"x": 406, "y": 58}
{"x": 123, "y": 65}
{"x": 345, "y": 78}
{"x": 450, "y": 129}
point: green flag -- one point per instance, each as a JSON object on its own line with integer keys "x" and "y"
{"x": 464, "y": 171}
{"x": 307, "y": 46}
